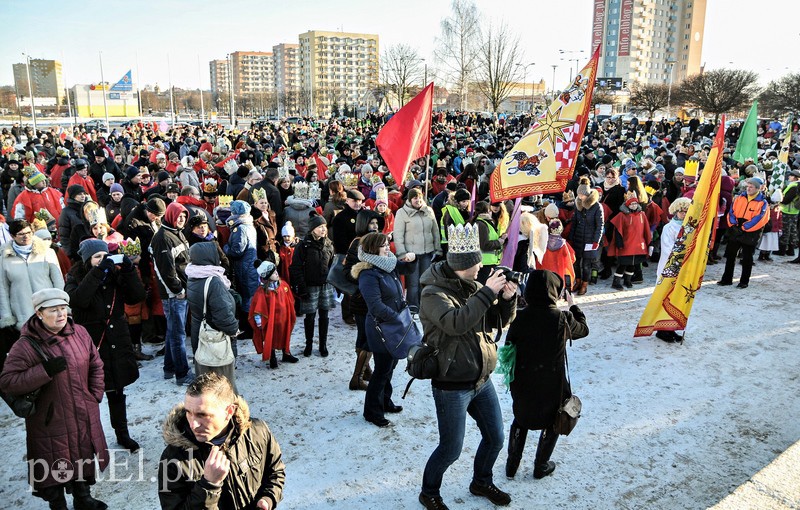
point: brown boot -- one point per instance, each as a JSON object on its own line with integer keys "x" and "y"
{"x": 139, "y": 355}
{"x": 357, "y": 381}
{"x": 577, "y": 286}
{"x": 583, "y": 289}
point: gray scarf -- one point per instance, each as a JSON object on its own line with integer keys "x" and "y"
{"x": 387, "y": 263}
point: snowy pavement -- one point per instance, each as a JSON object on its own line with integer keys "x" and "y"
{"x": 664, "y": 426}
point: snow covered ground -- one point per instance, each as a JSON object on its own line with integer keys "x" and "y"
{"x": 663, "y": 427}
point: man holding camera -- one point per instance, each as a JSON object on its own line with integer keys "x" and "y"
{"x": 458, "y": 315}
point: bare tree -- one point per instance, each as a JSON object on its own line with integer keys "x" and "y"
{"x": 400, "y": 69}
{"x": 719, "y": 91}
{"x": 457, "y": 47}
{"x": 496, "y": 72}
{"x": 649, "y": 97}
{"x": 782, "y": 96}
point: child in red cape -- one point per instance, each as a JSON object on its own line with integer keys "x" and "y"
{"x": 272, "y": 315}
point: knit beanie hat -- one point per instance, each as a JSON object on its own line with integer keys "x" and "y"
{"x": 551, "y": 211}
{"x": 156, "y": 206}
{"x": 35, "y": 178}
{"x": 288, "y": 229}
{"x": 89, "y": 247}
{"x": 117, "y": 188}
{"x": 162, "y": 176}
{"x": 461, "y": 195}
{"x": 240, "y": 207}
{"x": 132, "y": 172}
{"x": 75, "y": 190}
{"x": 315, "y": 220}
{"x": 108, "y": 176}
{"x": 463, "y": 247}
{"x": 265, "y": 269}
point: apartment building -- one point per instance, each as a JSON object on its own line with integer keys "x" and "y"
{"x": 287, "y": 77}
{"x": 47, "y": 80}
{"x": 337, "y": 69}
{"x": 219, "y": 76}
{"x": 646, "y": 41}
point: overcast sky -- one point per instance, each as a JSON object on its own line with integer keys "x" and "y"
{"x": 759, "y": 36}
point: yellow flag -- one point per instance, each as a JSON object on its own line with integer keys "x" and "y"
{"x": 543, "y": 160}
{"x": 677, "y": 286}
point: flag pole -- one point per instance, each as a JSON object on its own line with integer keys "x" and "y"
{"x": 138, "y": 90}
{"x": 69, "y": 103}
{"x": 200, "y": 88}
{"x": 171, "y": 101}
{"x": 103, "y": 88}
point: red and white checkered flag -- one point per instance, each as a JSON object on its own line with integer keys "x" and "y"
{"x": 567, "y": 150}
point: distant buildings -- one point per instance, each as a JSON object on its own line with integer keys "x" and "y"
{"x": 47, "y": 83}
{"x": 325, "y": 72}
{"x": 645, "y": 40}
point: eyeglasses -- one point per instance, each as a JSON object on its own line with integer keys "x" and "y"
{"x": 24, "y": 234}
{"x": 385, "y": 245}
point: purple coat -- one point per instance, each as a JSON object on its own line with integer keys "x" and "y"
{"x": 66, "y": 424}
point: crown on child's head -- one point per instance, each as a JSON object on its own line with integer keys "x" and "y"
{"x": 301, "y": 190}
{"x": 225, "y": 200}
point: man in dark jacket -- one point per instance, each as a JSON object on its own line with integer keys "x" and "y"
{"x": 102, "y": 165}
{"x": 212, "y": 433}
{"x": 458, "y": 315}
{"x": 170, "y": 253}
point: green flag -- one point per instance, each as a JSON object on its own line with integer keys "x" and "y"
{"x": 747, "y": 146}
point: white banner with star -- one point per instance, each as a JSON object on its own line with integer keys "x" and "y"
{"x": 682, "y": 276}
{"x": 543, "y": 160}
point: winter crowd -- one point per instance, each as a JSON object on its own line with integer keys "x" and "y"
{"x": 111, "y": 241}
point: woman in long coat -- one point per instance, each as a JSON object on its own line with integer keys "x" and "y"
{"x": 241, "y": 249}
{"x": 66, "y": 425}
{"x": 540, "y": 384}
{"x": 99, "y": 290}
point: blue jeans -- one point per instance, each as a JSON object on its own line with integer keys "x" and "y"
{"x": 423, "y": 262}
{"x": 175, "y": 361}
{"x": 452, "y": 407}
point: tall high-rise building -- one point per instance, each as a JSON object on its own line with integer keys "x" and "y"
{"x": 47, "y": 79}
{"x": 287, "y": 77}
{"x": 219, "y": 76}
{"x": 252, "y": 72}
{"x": 645, "y": 41}
{"x": 336, "y": 69}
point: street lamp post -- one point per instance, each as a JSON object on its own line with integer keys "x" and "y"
{"x": 30, "y": 90}
{"x": 671, "y": 64}
{"x": 553, "y": 86}
{"x": 524, "y": 84}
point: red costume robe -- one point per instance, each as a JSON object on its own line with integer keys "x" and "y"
{"x": 276, "y": 308}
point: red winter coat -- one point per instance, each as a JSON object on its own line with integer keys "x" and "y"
{"x": 30, "y": 201}
{"x": 86, "y": 182}
{"x": 633, "y": 230}
{"x": 276, "y": 308}
{"x": 66, "y": 424}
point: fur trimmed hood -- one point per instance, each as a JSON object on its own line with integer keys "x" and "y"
{"x": 592, "y": 198}
{"x": 176, "y": 431}
{"x": 358, "y": 267}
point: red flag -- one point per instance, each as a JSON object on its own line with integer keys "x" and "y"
{"x": 407, "y": 135}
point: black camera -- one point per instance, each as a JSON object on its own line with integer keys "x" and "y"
{"x": 513, "y": 276}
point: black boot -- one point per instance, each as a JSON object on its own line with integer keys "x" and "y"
{"x": 762, "y": 255}
{"x": 82, "y": 498}
{"x": 795, "y": 261}
{"x": 54, "y": 496}
{"x": 288, "y": 358}
{"x": 323, "y": 335}
{"x": 547, "y": 443}
{"x": 628, "y": 280}
{"x": 789, "y": 251}
{"x": 781, "y": 251}
{"x": 308, "y": 324}
{"x": 637, "y": 274}
{"x": 617, "y": 283}
{"x": 118, "y": 414}
{"x": 273, "y": 361}
{"x": 516, "y": 445}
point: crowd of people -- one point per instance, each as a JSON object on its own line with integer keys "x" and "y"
{"x": 149, "y": 236}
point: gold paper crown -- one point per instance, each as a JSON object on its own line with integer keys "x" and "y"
{"x": 690, "y": 168}
{"x": 96, "y": 216}
{"x": 382, "y": 194}
{"x": 44, "y": 215}
{"x": 225, "y": 200}
{"x": 258, "y": 194}
{"x": 130, "y": 247}
{"x": 283, "y": 172}
{"x": 349, "y": 180}
{"x": 301, "y": 190}
{"x": 463, "y": 239}
{"x": 375, "y": 179}
{"x": 209, "y": 185}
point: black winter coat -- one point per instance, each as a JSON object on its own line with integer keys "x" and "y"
{"x": 170, "y": 253}
{"x": 98, "y": 303}
{"x": 70, "y": 217}
{"x": 310, "y": 264}
{"x": 540, "y": 384}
